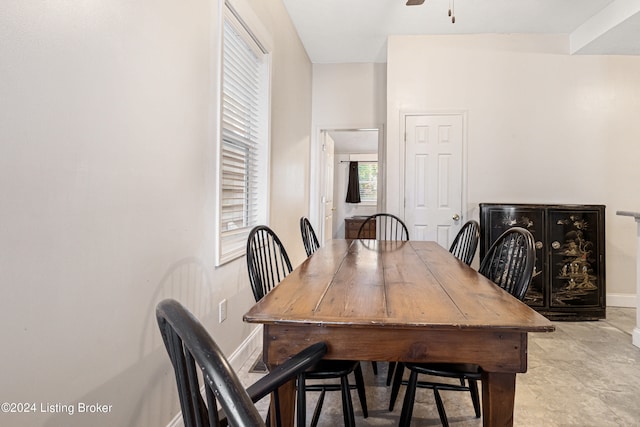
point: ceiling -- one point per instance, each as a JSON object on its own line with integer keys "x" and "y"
{"x": 343, "y": 31}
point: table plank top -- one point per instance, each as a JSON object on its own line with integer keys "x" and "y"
{"x": 413, "y": 284}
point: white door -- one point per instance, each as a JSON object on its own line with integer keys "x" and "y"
{"x": 327, "y": 187}
{"x": 433, "y": 176}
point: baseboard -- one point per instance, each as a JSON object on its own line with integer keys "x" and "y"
{"x": 621, "y": 300}
{"x": 249, "y": 346}
{"x": 177, "y": 421}
{"x": 237, "y": 359}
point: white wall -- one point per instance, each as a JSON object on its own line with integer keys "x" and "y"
{"x": 544, "y": 126}
{"x": 291, "y": 124}
{"x": 349, "y": 95}
{"x": 344, "y": 96}
{"x": 107, "y": 127}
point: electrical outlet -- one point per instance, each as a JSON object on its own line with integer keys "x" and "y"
{"x": 222, "y": 311}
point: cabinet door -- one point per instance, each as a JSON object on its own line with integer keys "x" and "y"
{"x": 575, "y": 258}
{"x": 497, "y": 220}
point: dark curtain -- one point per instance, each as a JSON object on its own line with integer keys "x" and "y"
{"x": 353, "y": 189}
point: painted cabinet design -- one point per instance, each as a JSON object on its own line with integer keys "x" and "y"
{"x": 569, "y": 280}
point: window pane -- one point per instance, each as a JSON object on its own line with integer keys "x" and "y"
{"x": 368, "y": 172}
{"x": 235, "y": 177}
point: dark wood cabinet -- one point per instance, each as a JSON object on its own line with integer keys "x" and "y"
{"x": 352, "y": 225}
{"x": 569, "y": 280}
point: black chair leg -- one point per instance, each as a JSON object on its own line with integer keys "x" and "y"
{"x": 397, "y": 382}
{"x": 475, "y": 397}
{"x": 316, "y": 412}
{"x": 347, "y": 404}
{"x": 392, "y": 367}
{"x": 361, "y": 392}
{"x": 374, "y": 366}
{"x": 409, "y": 398}
{"x": 302, "y": 403}
{"x": 276, "y": 404}
{"x": 441, "y": 412}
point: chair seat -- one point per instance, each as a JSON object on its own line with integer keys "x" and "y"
{"x": 451, "y": 370}
{"x": 326, "y": 369}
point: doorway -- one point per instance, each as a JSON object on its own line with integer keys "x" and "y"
{"x": 337, "y": 148}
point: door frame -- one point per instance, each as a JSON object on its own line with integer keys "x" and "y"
{"x": 466, "y": 215}
{"x": 316, "y": 209}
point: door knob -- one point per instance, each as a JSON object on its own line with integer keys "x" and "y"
{"x": 456, "y": 217}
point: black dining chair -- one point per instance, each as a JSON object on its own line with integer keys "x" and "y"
{"x": 387, "y": 226}
{"x": 268, "y": 263}
{"x": 192, "y": 350}
{"x": 309, "y": 239}
{"x": 465, "y": 243}
{"x": 509, "y": 263}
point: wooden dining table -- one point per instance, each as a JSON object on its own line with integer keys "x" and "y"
{"x": 407, "y": 301}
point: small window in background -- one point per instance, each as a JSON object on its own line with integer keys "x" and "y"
{"x": 368, "y": 174}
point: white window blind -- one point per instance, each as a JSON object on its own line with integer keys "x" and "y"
{"x": 244, "y": 138}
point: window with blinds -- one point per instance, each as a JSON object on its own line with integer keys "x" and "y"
{"x": 243, "y": 152}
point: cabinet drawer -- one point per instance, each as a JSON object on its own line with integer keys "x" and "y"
{"x": 352, "y": 226}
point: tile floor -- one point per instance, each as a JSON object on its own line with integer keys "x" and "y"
{"x": 583, "y": 374}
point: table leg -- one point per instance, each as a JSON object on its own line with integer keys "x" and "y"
{"x": 498, "y": 396}
{"x": 287, "y": 398}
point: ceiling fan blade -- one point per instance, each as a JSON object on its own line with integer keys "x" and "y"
{"x": 414, "y": 2}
